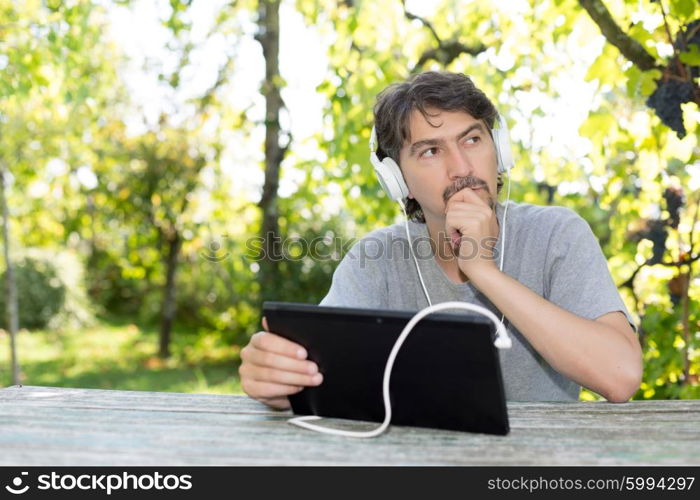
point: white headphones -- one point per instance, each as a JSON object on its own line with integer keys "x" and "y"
{"x": 392, "y": 180}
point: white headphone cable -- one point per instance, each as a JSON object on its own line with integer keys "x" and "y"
{"x": 410, "y": 249}
{"x": 503, "y": 230}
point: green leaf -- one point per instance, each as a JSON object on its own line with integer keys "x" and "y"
{"x": 644, "y": 82}
{"x": 604, "y": 66}
{"x": 634, "y": 76}
{"x": 683, "y": 8}
{"x": 691, "y": 56}
{"x": 596, "y": 124}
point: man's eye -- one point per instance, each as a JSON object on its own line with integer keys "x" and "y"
{"x": 429, "y": 152}
{"x": 472, "y": 140}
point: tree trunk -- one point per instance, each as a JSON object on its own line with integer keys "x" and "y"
{"x": 169, "y": 302}
{"x": 92, "y": 258}
{"x": 12, "y": 310}
{"x": 686, "y": 324}
{"x": 268, "y": 36}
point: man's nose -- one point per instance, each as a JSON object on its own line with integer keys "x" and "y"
{"x": 458, "y": 164}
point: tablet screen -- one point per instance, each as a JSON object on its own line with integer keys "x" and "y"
{"x": 447, "y": 373}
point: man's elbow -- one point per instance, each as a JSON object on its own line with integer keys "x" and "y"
{"x": 627, "y": 377}
{"x": 625, "y": 385}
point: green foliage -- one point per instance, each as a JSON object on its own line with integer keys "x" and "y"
{"x": 121, "y": 355}
{"x": 643, "y": 160}
{"x": 50, "y": 289}
{"x": 39, "y": 292}
{"x": 63, "y": 108}
{"x": 664, "y": 352}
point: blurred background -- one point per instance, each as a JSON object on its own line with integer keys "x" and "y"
{"x": 146, "y": 147}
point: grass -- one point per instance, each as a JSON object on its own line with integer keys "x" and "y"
{"x": 120, "y": 355}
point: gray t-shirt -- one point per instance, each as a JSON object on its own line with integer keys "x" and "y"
{"x": 549, "y": 249}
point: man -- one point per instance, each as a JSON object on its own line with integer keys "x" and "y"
{"x": 569, "y": 325}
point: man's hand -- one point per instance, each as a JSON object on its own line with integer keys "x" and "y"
{"x": 473, "y": 229}
{"x": 273, "y": 368}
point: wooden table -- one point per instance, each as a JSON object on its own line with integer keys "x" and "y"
{"x": 59, "y": 426}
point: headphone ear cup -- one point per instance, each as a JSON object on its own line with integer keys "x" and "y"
{"x": 390, "y": 177}
{"x": 501, "y": 139}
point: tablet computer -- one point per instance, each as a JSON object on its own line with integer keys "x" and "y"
{"x": 447, "y": 374}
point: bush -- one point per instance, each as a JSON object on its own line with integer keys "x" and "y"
{"x": 40, "y": 294}
{"x": 50, "y": 290}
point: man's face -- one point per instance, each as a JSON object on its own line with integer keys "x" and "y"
{"x": 455, "y": 152}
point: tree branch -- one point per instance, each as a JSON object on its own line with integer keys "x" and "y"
{"x": 221, "y": 78}
{"x": 629, "y": 282}
{"x": 448, "y": 52}
{"x": 692, "y": 226}
{"x": 426, "y": 23}
{"x": 628, "y": 46}
{"x": 445, "y": 52}
{"x": 679, "y": 263}
{"x": 680, "y": 67}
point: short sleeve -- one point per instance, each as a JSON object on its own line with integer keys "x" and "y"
{"x": 577, "y": 277}
{"x": 359, "y": 280}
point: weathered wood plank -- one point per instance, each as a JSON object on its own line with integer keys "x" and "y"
{"x": 56, "y": 426}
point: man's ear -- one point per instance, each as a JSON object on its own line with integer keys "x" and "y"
{"x": 410, "y": 196}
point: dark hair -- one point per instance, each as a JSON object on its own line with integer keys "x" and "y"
{"x": 441, "y": 90}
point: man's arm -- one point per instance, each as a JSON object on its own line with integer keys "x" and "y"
{"x": 603, "y": 355}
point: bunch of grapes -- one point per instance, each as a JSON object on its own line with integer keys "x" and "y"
{"x": 677, "y": 287}
{"x": 666, "y": 101}
{"x": 672, "y": 90}
{"x": 547, "y": 188}
{"x": 657, "y": 233}
{"x": 674, "y": 202}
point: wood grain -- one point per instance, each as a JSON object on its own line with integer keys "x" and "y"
{"x": 59, "y": 426}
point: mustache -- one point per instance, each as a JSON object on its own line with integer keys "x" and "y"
{"x": 464, "y": 182}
